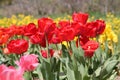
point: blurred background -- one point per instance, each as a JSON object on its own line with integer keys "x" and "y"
{"x": 57, "y": 7}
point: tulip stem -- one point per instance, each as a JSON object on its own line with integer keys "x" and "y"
{"x": 57, "y": 47}
{"x": 31, "y": 75}
{"x": 47, "y": 46}
{"x": 78, "y": 41}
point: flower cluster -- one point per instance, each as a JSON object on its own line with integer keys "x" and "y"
{"x": 26, "y": 63}
{"x": 38, "y": 49}
{"x": 17, "y": 20}
{"x": 10, "y": 73}
{"x": 48, "y": 33}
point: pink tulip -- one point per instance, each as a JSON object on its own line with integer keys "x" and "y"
{"x": 10, "y": 73}
{"x": 28, "y": 62}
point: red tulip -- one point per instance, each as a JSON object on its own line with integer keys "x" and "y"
{"x": 80, "y": 17}
{"x": 82, "y": 40}
{"x": 68, "y": 34}
{"x": 52, "y": 52}
{"x": 30, "y": 29}
{"x": 36, "y": 38}
{"x": 11, "y": 31}
{"x": 100, "y": 27}
{"x": 57, "y": 38}
{"x": 28, "y": 62}
{"x": 64, "y": 33}
{"x": 19, "y": 30}
{"x": 63, "y": 24}
{"x": 92, "y": 29}
{"x": 78, "y": 28}
{"x": 89, "y": 48}
{"x": 45, "y": 54}
{"x": 46, "y": 27}
{"x": 4, "y": 38}
{"x": 18, "y": 46}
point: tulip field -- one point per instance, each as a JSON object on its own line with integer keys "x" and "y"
{"x": 70, "y": 47}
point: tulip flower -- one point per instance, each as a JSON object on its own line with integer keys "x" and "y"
{"x": 28, "y": 62}
{"x": 89, "y": 48}
{"x": 18, "y": 46}
{"x": 10, "y": 73}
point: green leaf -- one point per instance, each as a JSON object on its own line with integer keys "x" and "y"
{"x": 86, "y": 78}
{"x": 108, "y": 68}
{"x": 65, "y": 51}
{"x": 98, "y": 54}
{"x": 46, "y": 70}
{"x": 75, "y": 68}
{"x": 111, "y": 65}
{"x": 38, "y": 70}
{"x": 97, "y": 72}
{"x": 27, "y": 76}
{"x": 70, "y": 74}
{"x": 78, "y": 53}
{"x": 83, "y": 70}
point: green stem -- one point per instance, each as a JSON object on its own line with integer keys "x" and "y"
{"x": 31, "y": 76}
{"x": 78, "y": 41}
{"x": 47, "y": 45}
{"x": 56, "y": 46}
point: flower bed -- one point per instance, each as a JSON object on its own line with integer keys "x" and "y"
{"x": 75, "y": 49}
